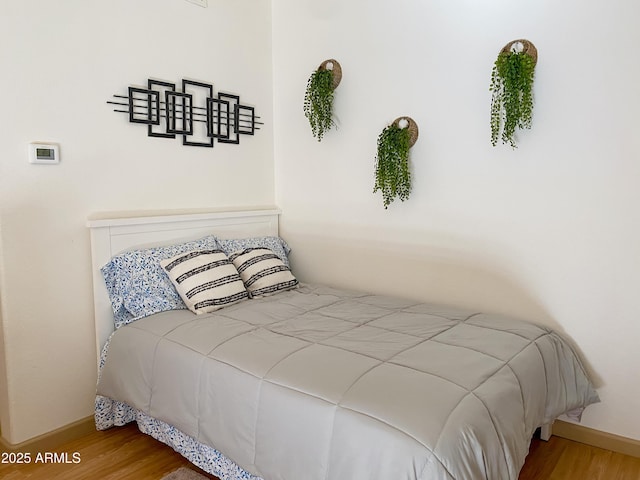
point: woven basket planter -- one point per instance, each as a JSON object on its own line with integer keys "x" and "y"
{"x": 527, "y": 47}
{"x": 411, "y": 125}
{"x": 335, "y": 67}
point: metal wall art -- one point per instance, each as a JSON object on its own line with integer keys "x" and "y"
{"x": 193, "y": 112}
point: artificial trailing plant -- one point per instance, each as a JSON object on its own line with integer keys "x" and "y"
{"x": 393, "y": 177}
{"x": 318, "y": 101}
{"x": 512, "y": 96}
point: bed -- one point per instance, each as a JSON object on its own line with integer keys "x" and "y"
{"x": 309, "y": 381}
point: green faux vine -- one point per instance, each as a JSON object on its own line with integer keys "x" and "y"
{"x": 512, "y": 98}
{"x": 392, "y": 175}
{"x": 318, "y": 102}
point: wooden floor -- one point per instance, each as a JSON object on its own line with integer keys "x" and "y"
{"x": 563, "y": 459}
{"x": 126, "y": 454}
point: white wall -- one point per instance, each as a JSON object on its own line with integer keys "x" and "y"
{"x": 549, "y": 232}
{"x": 61, "y": 62}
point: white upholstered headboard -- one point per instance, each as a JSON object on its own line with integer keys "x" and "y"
{"x": 113, "y": 233}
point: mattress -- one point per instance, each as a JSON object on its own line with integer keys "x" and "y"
{"x": 319, "y": 383}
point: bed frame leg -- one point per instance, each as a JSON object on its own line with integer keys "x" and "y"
{"x": 545, "y": 431}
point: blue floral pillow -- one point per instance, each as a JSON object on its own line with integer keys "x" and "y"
{"x": 276, "y": 244}
{"x": 137, "y": 284}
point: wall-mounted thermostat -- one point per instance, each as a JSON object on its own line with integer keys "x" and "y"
{"x": 45, "y": 153}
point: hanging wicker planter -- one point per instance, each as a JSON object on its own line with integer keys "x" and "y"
{"x": 318, "y": 98}
{"x": 335, "y": 67}
{"x": 511, "y": 86}
{"x": 523, "y": 45}
{"x": 392, "y": 171}
{"x": 411, "y": 125}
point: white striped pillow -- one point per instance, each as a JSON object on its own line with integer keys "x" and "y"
{"x": 262, "y": 271}
{"x": 205, "y": 279}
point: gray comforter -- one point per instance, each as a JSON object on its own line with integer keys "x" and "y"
{"x": 319, "y": 384}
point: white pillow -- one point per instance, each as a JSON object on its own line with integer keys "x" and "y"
{"x": 205, "y": 279}
{"x": 262, "y": 271}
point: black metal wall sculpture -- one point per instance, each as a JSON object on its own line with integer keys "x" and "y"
{"x": 195, "y": 113}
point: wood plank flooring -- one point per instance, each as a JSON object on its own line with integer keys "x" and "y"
{"x": 126, "y": 454}
{"x": 121, "y": 453}
{"x": 562, "y": 459}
